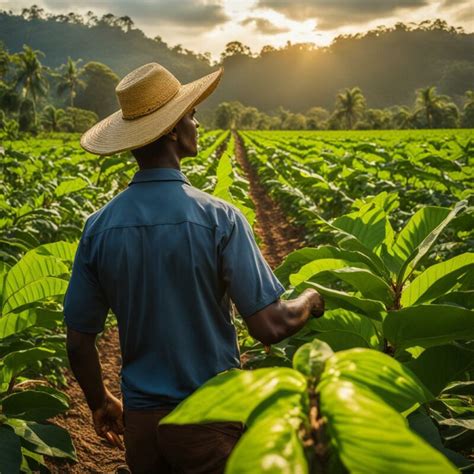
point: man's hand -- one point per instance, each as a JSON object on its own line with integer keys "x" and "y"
{"x": 107, "y": 420}
{"x": 317, "y": 302}
{"x": 283, "y": 318}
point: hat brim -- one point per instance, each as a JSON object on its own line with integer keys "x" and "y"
{"x": 115, "y": 134}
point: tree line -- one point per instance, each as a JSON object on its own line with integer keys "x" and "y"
{"x": 72, "y": 98}
{"x": 350, "y": 112}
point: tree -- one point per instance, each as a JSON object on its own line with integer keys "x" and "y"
{"x": 29, "y": 75}
{"x": 99, "y": 92}
{"x": 69, "y": 80}
{"x": 235, "y": 48}
{"x": 430, "y": 105}
{"x": 315, "y": 117}
{"x": 51, "y": 118}
{"x": 32, "y": 13}
{"x": 126, "y": 22}
{"x": 468, "y": 110}
{"x": 294, "y": 122}
{"x": 350, "y": 105}
{"x": 227, "y": 114}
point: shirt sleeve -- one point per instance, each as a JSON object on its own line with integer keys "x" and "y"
{"x": 250, "y": 281}
{"x": 85, "y": 304}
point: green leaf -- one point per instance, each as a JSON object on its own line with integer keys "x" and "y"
{"x": 340, "y": 299}
{"x": 421, "y": 224}
{"x": 35, "y": 291}
{"x": 310, "y": 270}
{"x": 31, "y": 268}
{"x": 14, "y": 323}
{"x": 234, "y": 394}
{"x": 342, "y": 340}
{"x": 371, "y": 437}
{"x": 343, "y": 321}
{"x": 70, "y": 186}
{"x": 33, "y": 405}
{"x": 369, "y": 285}
{"x": 428, "y": 325}
{"x": 10, "y": 451}
{"x": 51, "y": 440}
{"x": 423, "y": 425}
{"x": 382, "y": 374}
{"x": 368, "y": 225}
{"x": 439, "y": 365}
{"x": 422, "y": 234}
{"x": 297, "y": 259}
{"x": 271, "y": 445}
{"x": 310, "y": 358}
{"x": 15, "y": 362}
{"x": 63, "y": 250}
{"x": 436, "y": 280}
{"x": 464, "y": 299}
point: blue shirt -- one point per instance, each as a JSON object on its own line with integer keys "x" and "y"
{"x": 167, "y": 258}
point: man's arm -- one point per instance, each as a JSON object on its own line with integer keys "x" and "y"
{"x": 85, "y": 364}
{"x": 282, "y": 319}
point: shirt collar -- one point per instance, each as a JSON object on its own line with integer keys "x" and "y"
{"x": 159, "y": 174}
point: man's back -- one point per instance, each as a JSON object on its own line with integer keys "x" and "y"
{"x": 166, "y": 257}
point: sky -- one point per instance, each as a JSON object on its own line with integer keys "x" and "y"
{"x": 208, "y": 25}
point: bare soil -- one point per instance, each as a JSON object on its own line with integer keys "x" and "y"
{"x": 279, "y": 238}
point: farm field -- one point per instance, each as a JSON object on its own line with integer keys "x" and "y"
{"x": 379, "y": 222}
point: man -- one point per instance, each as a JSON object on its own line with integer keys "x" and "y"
{"x": 167, "y": 259}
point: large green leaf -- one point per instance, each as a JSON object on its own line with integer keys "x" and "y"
{"x": 439, "y": 365}
{"x": 436, "y": 280}
{"x": 36, "y": 291}
{"x": 61, "y": 249}
{"x": 369, "y": 285}
{"x": 270, "y": 446}
{"x": 343, "y": 321}
{"x": 382, "y": 374}
{"x": 31, "y": 268}
{"x": 70, "y": 186}
{"x": 297, "y": 259}
{"x": 10, "y": 451}
{"x": 44, "y": 439}
{"x": 33, "y": 405}
{"x": 340, "y": 299}
{"x": 15, "y": 362}
{"x": 368, "y": 225}
{"x": 13, "y": 323}
{"x": 234, "y": 394}
{"x": 428, "y": 325}
{"x": 420, "y": 234}
{"x": 310, "y": 270}
{"x": 370, "y": 437}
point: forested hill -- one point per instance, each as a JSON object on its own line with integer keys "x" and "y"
{"x": 119, "y": 49}
{"x": 388, "y": 64}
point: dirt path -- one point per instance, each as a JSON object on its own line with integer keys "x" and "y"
{"x": 279, "y": 235}
{"x": 279, "y": 238}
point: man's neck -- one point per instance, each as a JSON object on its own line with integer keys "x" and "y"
{"x": 169, "y": 160}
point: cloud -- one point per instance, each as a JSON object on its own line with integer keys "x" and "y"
{"x": 186, "y": 13}
{"x": 264, "y": 26}
{"x": 332, "y": 14}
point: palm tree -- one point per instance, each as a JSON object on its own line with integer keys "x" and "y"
{"x": 350, "y": 105}
{"x": 70, "y": 79}
{"x": 52, "y": 118}
{"x": 430, "y": 104}
{"x": 30, "y": 75}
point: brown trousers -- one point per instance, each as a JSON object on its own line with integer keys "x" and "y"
{"x": 176, "y": 449}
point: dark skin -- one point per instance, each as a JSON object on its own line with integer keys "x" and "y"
{"x": 270, "y": 325}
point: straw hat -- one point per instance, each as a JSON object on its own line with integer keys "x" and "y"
{"x": 152, "y": 101}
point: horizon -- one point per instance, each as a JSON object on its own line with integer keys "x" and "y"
{"x": 207, "y": 26}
